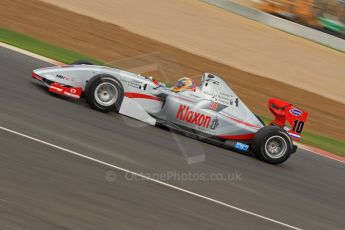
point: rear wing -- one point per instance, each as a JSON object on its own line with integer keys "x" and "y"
{"x": 288, "y": 117}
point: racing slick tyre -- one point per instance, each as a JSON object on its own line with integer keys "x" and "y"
{"x": 81, "y": 62}
{"x": 104, "y": 93}
{"x": 272, "y": 144}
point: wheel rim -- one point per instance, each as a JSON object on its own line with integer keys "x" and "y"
{"x": 275, "y": 146}
{"x": 106, "y": 94}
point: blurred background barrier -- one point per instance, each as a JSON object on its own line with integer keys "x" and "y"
{"x": 325, "y": 15}
{"x": 321, "y": 21}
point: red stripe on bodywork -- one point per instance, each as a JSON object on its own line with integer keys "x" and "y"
{"x": 242, "y": 122}
{"x": 142, "y": 96}
{"x": 37, "y": 77}
{"x": 248, "y": 136}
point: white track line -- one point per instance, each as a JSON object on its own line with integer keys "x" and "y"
{"x": 149, "y": 179}
{"x": 30, "y": 54}
{"x": 321, "y": 152}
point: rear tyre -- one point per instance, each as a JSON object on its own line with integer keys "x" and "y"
{"x": 104, "y": 93}
{"x": 82, "y": 62}
{"x": 272, "y": 144}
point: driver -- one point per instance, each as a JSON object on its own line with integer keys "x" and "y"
{"x": 184, "y": 83}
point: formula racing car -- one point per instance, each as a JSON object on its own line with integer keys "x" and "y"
{"x": 210, "y": 112}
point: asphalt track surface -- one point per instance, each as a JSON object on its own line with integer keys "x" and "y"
{"x": 42, "y": 187}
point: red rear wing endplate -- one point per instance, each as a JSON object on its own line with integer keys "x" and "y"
{"x": 286, "y": 112}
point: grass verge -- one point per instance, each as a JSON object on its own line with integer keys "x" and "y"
{"x": 319, "y": 141}
{"x": 66, "y": 56}
{"x": 39, "y": 47}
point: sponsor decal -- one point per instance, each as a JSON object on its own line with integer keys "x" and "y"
{"x": 241, "y": 146}
{"x": 225, "y": 99}
{"x": 137, "y": 84}
{"x": 214, "y": 123}
{"x": 212, "y": 81}
{"x": 60, "y": 89}
{"x": 64, "y": 77}
{"x": 296, "y": 112}
{"x": 185, "y": 114}
{"x": 143, "y": 87}
{"x": 294, "y": 135}
{"x": 214, "y": 106}
{"x": 234, "y": 101}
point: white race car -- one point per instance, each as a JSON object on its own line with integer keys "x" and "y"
{"x": 211, "y": 112}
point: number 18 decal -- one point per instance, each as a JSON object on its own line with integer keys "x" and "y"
{"x": 297, "y": 126}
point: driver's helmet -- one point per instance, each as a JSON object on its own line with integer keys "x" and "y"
{"x": 184, "y": 83}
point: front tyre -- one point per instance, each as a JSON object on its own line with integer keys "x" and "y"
{"x": 272, "y": 144}
{"x": 104, "y": 93}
